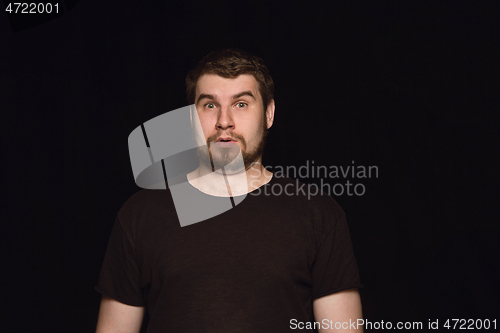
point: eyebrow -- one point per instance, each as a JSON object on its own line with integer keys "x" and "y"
{"x": 208, "y": 96}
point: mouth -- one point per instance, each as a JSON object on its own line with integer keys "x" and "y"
{"x": 225, "y": 142}
{"x": 226, "y": 139}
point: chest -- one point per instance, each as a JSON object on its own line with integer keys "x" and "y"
{"x": 232, "y": 252}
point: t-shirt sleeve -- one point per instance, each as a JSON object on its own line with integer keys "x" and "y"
{"x": 120, "y": 273}
{"x": 335, "y": 267}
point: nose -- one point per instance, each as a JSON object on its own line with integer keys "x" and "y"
{"x": 225, "y": 119}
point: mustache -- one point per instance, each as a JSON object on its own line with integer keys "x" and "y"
{"x": 214, "y": 137}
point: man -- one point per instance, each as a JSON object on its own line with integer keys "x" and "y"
{"x": 273, "y": 263}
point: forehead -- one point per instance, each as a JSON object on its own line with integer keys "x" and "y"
{"x": 221, "y": 87}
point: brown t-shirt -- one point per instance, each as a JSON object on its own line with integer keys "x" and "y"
{"x": 254, "y": 268}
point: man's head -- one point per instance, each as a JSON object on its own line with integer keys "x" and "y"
{"x": 233, "y": 94}
{"x": 229, "y": 64}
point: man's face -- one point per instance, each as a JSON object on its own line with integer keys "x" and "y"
{"x": 232, "y": 109}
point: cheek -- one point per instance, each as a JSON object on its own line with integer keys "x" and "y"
{"x": 202, "y": 130}
{"x": 260, "y": 124}
{"x": 207, "y": 126}
{"x": 253, "y": 134}
{"x": 252, "y": 123}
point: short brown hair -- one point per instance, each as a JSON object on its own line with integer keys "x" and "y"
{"x": 230, "y": 63}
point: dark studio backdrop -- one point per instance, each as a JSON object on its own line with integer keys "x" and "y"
{"x": 410, "y": 87}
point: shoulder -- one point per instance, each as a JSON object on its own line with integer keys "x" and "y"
{"x": 309, "y": 194}
{"x": 145, "y": 207}
{"x": 321, "y": 206}
{"x": 147, "y": 200}
{"x": 141, "y": 200}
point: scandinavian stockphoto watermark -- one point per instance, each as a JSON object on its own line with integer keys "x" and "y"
{"x": 328, "y": 177}
{"x": 431, "y": 324}
{"x": 356, "y": 324}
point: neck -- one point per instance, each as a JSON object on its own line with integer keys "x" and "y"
{"x": 223, "y": 184}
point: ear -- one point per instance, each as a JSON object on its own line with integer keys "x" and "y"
{"x": 270, "y": 114}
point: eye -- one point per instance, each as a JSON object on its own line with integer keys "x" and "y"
{"x": 210, "y": 106}
{"x": 241, "y": 105}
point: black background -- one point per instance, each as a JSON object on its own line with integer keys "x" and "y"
{"x": 408, "y": 86}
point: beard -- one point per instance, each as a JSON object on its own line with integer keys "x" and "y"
{"x": 227, "y": 159}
